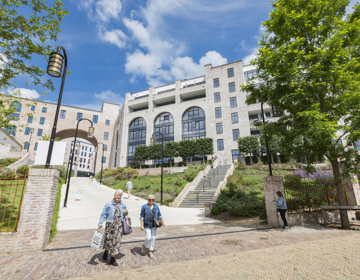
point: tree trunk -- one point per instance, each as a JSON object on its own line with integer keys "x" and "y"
{"x": 140, "y": 164}
{"x": 203, "y": 158}
{"x": 170, "y": 162}
{"x": 340, "y": 194}
{"x": 251, "y": 159}
{"x": 187, "y": 160}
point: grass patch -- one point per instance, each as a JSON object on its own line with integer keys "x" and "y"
{"x": 143, "y": 186}
{"x": 56, "y": 210}
{"x": 10, "y": 191}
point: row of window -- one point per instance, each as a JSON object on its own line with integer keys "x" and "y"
{"x": 217, "y": 84}
{"x": 233, "y": 102}
{"x": 26, "y": 146}
{"x": 18, "y": 106}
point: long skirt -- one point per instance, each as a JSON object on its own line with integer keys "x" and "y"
{"x": 113, "y": 233}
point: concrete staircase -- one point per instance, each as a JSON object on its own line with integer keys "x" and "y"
{"x": 205, "y": 190}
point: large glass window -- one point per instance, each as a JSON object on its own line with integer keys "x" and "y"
{"x": 219, "y": 128}
{"x": 62, "y": 114}
{"x": 104, "y": 147}
{"x": 233, "y": 102}
{"x": 218, "y": 112}
{"x": 253, "y": 117}
{"x": 11, "y": 130}
{"x": 35, "y": 147}
{"x": 40, "y": 131}
{"x": 17, "y": 105}
{"x": 137, "y": 136}
{"x": 255, "y": 133}
{"x": 106, "y": 135}
{"x": 33, "y": 108}
{"x": 234, "y": 118}
{"x": 79, "y": 116}
{"x": 164, "y": 124}
{"x": 27, "y": 131}
{"x": 103, "y": 159}
{"x": 44, "y": 110}
{"x": 42, "y": 120}
{"x": 220, "y": 144}
{"x": 236, "y": 155}
{"x": 217, "y": 97}
{"x": 236, "y": 134}
{"x": 95, "y": 119}
{"x": 107, "y": 122}
{"x": 193, "y": 124}
{"x": 230, "y": 72}
{"x": 26, "y": 145}
{"x": 249, "y": 74}
{"x": 30, "y": 119}
{"x": 216, "y": 82}
{"x": 14, "y": 117}
{"x": 231, "y": 87}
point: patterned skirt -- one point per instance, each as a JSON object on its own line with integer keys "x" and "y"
{"x": 113, "y": 233}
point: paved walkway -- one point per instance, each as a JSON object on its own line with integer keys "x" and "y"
{"x": 87, "y": 198}
{"x": 229, "y": 251}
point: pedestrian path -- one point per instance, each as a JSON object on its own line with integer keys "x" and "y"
{"x": 87, "y": 198}
{"x": 199, "y": 251}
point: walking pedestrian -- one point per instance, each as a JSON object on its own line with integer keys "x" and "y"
{"x": 113, "y": 212}
{"x": 281, "y": 208}
{"x": 129, "y": 186}
{"x": 149, "y": 212}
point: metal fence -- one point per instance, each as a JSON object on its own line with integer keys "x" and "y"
{"x": 309, "y": 196}
{"x": 12, "y": 192}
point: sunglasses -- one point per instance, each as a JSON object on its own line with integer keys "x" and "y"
{"x": 151, "y": 199}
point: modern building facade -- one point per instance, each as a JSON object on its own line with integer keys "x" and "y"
{"x": 33, "y": 121}
{"x": 212, "y": 106}
{"x": 84, "y": 157}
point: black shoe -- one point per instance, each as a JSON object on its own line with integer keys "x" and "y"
{"x": 113, "y": 261}
{"x": 105, "y": 255}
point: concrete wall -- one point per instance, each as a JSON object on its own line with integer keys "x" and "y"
{"x": 36, "y": 213}
{"x": 315, "y": 218}
{"x": 157, "y": 171}
{"x": 8, "y": 141}
{"x": 20, "y": 162}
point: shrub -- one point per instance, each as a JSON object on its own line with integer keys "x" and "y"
{"x": 284, "y": 159}
{"x": 5, "y": 172}
{"x": 215, "y": 211}
{"x": 182, "y": 163}
{"x": 247, "y": 160}
{"x": 191, "y": 172}
{"x": 62, "y": 170}
{"x": 255, "y": 159}
{"x": 292, "y": 178}
{"x": 264, "y": 159}
{"x": 263, "y": 215}
{"x": 22, "y": 170}
{"x": 232, "y": 183}
{"x": 8, "y": 161}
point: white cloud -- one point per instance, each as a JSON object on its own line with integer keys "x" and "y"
{"x": 246, "y": 59}
{"x": 116, "y": 37}
{"x": 107, "y": 9}
{"x": 109, "y": 96}
{"x": 25, "y": 93}
{"x": 252, "y": 51}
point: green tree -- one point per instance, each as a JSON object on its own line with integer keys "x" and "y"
{"x": 187, "y": 149}
{"x": 171, "y": 150}
{"x": 26, "y": 28}
{"x": 249, "y": 145}
{"x": 141, "y": 153}
{"x": 155, "y": 152}
{"x": 308, "y": 62}
{"x": 47, "y": 138}
{"x": 204, "y": 146}
{"x": 273, "y": 144}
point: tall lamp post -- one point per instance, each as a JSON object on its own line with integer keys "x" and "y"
{"x": 90, "y": 135}
{"x": 75, "y": 147}
{"x": 102, "y": 160}
{"x": 152, "y": 141}
{"x": 31, "y": 132}
{"x": 276, "y": 113}
{"x": 55, "y": 65}
{"x": 95, "y": 155}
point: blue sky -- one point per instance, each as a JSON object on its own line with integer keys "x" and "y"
{"x": 119, "y": 46}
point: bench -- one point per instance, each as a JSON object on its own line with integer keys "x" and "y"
{"x": 336, "y": 207}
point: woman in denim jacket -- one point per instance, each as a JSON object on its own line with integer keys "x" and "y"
{"x": 113, "y": 212}
{"x": 147, "y": 224}
{"x": 281, "y": 208}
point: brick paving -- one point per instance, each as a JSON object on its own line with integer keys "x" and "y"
{"x": 212, "y": 249}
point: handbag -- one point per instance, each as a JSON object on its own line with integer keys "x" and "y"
{"x": 157, "y": 222}
{"x": 98, "y": 240}
{"x": 127, "y": 228}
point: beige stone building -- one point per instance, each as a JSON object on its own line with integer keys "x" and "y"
{"x": 39, "y": 118}
{"x": 212, "y": 106}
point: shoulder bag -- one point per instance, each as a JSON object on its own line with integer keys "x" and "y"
{"x": 126, "y": 226}
{"x": 157, "y": 222}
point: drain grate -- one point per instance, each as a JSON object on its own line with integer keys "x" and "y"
{"x": 231, "y": 242}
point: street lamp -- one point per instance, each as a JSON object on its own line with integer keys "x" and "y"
{"x": 90, "y": 135}
{"x": 102, "y": 160}
{"x": 266, "y": 142}
{"x": 55, "y": 65}
{"x": 77, "y": 147}
{"x": 152, "y": 141}
{"x": 95, "y": 155}
{"x": 238, "y": 136}
{"x": 31, "y": 132}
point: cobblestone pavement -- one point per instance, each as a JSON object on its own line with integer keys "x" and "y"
{"x": 198, "y": 251}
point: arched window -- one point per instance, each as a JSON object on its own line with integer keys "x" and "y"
{"x": 26, "y": 145}
{"x": 17, "y": 105}
{"x": 193, "y": 124}
{"x": 164, "y": 124}
{"x": 137, "y": 136}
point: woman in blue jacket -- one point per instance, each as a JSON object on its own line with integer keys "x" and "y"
{"x": 150, "y": 211}
{"x": 281, "y": 208}
{"x": 113, "y": 212}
